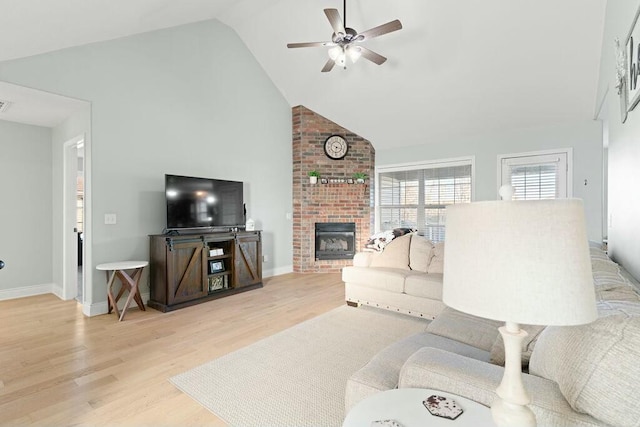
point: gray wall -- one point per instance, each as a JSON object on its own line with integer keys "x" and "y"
{"x": 188, "y": 100}
{"x": 624, "y": 145}
{"x": 585, "y": 138}
{"x": 25, "y": 208}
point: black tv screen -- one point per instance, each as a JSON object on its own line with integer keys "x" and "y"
{"x": 202, "y": 202}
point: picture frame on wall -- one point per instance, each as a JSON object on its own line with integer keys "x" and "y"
{"x": 632, "y": 65}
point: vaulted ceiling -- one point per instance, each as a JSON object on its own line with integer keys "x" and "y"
{"x": 457, "y": 68}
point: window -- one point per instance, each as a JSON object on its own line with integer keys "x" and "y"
{"x": 416, "y": 196}
{"x": 534, "y": 176}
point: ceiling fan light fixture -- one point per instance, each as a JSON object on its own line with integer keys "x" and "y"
{"x": 335, "y": 52}
{"x": 344, "y": 40}
{"x": 354, "y": 53}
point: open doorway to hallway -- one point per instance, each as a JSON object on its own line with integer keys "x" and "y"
{"x": 79, "y": 229}
{"x": 74, "y": 230}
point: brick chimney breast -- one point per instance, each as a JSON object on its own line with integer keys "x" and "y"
{"x": 334, "y": 201}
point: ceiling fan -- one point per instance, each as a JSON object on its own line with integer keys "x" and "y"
{"x": 346, "y": 42}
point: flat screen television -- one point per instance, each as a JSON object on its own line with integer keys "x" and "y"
{"x": 203, "y": 202}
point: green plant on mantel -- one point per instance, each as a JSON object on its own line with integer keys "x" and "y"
{"x": 314, "y": 173}
{"x": 360, "y": 176}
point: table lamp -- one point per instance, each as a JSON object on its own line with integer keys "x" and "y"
{"x": 521, "y": 262}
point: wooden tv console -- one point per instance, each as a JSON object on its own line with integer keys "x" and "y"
{"x": 190, "y": 269}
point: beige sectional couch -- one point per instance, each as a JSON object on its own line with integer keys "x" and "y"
{"x": 585, "y": 375}
{"x": 405, "y": 277}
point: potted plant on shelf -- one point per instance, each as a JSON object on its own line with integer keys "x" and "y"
{"x": 313, "y": 176}
{"x": 360, "y": 177}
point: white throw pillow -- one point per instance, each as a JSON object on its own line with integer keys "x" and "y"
{"x": 420, "y": 253}
{"x": 596, "y": 365}
{"x": 437, "y": 261}
{"x": 394, "y": 255}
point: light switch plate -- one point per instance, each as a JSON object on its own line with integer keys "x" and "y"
{"x": 110, "y": 219}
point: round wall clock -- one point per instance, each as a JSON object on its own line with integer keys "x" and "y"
{"x": 336, "y": 147}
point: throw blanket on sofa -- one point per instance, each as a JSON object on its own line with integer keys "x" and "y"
{"x": 378, "y": 241}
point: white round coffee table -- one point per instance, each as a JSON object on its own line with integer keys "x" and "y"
{"x": 405, "y": 406}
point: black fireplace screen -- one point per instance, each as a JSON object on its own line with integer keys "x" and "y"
{"x": 335, "y": 240}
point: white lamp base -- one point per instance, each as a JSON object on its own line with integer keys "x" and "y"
{"x": 510, "y": 409}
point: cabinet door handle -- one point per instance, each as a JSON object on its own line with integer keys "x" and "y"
{"x": 1, "y": 264}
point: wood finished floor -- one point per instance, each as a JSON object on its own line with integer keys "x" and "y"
{"x": 60, "y": 368}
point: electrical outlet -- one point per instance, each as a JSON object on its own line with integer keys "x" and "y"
{"x": 110, "y": 219}
{"x": 265, "y": 258}
{"x": 288, "y": 215}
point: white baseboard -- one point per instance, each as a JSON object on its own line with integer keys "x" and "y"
{"x": 26, "y": 291}
{"x": 277, "y": 271}
{"x": 57, "y": 291}
{"x": 51, "y": 288}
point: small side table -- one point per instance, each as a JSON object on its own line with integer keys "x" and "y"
{"x": 405, "y": 406}
{"x": 129, "y": 282}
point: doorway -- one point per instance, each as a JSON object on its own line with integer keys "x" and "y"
{"x": 74, "y": 219}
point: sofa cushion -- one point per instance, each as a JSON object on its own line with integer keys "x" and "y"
{"x": 596, "y": 365}
{"x": 595, "y": 252}
{"x": 420, "y": 253}
{"x": 621, "y": 293}
{"x": 424, "y": 285}
{"x": 604, "y": 265}
{"x": 437, "y": 261}
{"x": 533, "y": 332}
{"x": 606, "y": 280}
{"x": 394, "y": 255}
{"x": 382, "y": 372}
{"x": 438, "y": 369}
{"x": 388, "y": 279}
{"x": 456, "y": 325}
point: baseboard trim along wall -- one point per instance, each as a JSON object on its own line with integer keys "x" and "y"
{"x": 277, "y": 271}
{"x": 26, "y": 291}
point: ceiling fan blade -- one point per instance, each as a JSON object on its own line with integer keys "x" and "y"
{"x": 381, "y": 29}
{"x": 372, "y": 56}
{"x": 328, "y": 66}
{"x": 334, "y": 19}
{"x": 310, "y": 44}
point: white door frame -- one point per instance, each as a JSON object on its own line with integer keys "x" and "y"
{"x": 69, "y": 238}
{"x": 567, "y": 152}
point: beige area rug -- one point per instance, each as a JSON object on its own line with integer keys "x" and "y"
{"x": 296, "y": 377}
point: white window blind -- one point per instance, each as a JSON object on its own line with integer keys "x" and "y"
{"x": 536, "y": 176}
{"x": 417, "y": 198}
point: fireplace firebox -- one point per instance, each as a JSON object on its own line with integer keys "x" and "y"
{"x": 335, "y": 240}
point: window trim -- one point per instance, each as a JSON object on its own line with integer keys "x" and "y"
{"x": 556, "y": 151}
{"x": 423, "y": 164}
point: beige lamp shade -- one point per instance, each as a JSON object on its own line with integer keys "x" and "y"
{"x": 519, "y": 261}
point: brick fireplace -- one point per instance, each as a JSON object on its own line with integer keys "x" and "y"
{"x": 336, "y": 201}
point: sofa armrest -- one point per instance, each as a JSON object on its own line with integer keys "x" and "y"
{"x": 472, "y": 330}
{"x": 362, "y": 259}
{"x": 476, "y": 380}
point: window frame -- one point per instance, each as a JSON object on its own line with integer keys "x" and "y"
{"x": 424, "y": 164}
{"x": 522, "y": 159}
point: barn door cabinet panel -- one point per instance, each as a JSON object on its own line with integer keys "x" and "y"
{"x": 190, "y": 269}
{"x": 248, "y": 260}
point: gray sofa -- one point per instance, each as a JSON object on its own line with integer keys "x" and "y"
{"x": 405, "y": 277}
{"x": 576, "y": 376}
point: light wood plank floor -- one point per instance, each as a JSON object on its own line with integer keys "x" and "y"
{"x": 60, "y": 368}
